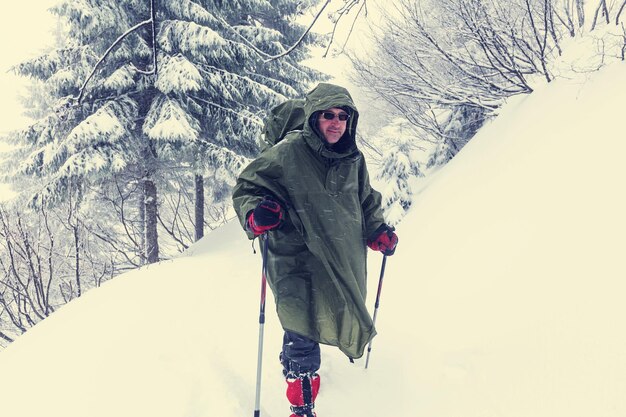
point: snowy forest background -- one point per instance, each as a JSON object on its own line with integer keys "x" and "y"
{"x": 144, "y": 112}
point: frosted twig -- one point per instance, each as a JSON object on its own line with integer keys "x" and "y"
{"x": 341, "y": 13}
{"x": 363, "y": 6}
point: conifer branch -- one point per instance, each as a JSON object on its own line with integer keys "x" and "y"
{"x": 245, "y": 79}
{"x": 254, "y": 120}
{"x": 269, "y": 57}
{"x": 108, "y": 51}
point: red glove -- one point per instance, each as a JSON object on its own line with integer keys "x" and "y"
{"x": 385, "y": 240}
{"x": 266, "y": 216}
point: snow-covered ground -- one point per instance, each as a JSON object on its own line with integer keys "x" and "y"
{"x": 505, "y": 297}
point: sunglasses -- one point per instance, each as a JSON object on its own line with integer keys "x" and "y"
{"x": 328, "y": 115}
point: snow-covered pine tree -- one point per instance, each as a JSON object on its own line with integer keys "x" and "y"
{"x": 458, "y": 128}
{"x": 400, "y": 163}
{"x": 142, "y": 87}
{"x": 462, "y": 124}
{"x": 237, "y": 86}
{"x": 444, "y": 151}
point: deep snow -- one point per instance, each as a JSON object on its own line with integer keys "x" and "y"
{"x": 504, "y": 298}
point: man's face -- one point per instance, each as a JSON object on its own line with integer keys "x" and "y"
{"x": 330, "y": 125}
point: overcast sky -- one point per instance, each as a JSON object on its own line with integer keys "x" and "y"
{"x": 25, "y": 31}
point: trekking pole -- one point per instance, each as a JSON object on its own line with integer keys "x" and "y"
{"x": 380, "y": 287}
{"x": 257, "y": 403}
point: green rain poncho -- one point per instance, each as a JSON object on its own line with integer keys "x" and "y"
{"x": 317, "y": 258}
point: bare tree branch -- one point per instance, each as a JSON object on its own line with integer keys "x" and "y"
{"x": 541, "y": 43}
{"x": 4, "y": 337}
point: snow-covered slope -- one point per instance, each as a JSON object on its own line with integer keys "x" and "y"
{"x": 505, "y": 297}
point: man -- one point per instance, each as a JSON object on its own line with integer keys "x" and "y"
{"x": 311, "y": 194}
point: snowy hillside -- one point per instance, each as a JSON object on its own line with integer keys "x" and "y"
{"x": 504, "y": 298}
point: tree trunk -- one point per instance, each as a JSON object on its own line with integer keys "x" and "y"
{"x": 77, "y": 257}
{"x": 580, "y": 9}
{"x": 199, "y": 207}
{"x": 570, "y": 25}
{"x": 142, "y": 229}
{"x": 550, "y": 15}
{"x": 150, "y": 202}
{"x": 149, "y": 162}
{"x": 602, "y": 8}
{"x": 605, "y": 12}
{"x": 619, "y": 12}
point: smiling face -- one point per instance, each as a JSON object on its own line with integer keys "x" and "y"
{"x": 332, "y": 129}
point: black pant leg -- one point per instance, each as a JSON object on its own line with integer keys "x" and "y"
{"x": 300, "y": 354}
